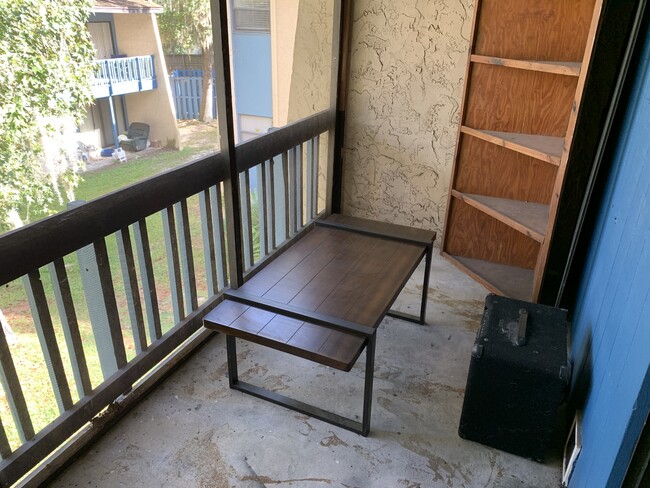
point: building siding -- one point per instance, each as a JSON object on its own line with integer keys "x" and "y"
{"x": 611, "y": 331}
{"x": 137, "y": 35}
{"x": 252, "y": 68}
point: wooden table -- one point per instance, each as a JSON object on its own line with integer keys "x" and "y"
{"x": 323, "y": 298}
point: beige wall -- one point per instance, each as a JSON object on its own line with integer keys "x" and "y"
{"x": 312, "y": 59}
{"x": 137, "y": 35}
{"x": 301, "y": 50}
{"x": 284, "y": 21}
{"x": 407, "y": 66}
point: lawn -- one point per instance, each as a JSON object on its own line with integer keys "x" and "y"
{"x": 114, "y": 176}
{"x": 198, "y": 139}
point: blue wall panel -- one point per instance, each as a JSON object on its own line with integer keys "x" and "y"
{"x": 611, "y": 326}
{"x": 252, "y": 73}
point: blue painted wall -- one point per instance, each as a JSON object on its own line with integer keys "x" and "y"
{"x": 611, "y": 325}
{"x": 252, "y": 73}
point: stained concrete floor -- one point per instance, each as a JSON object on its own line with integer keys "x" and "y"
{"x": 195, "y": 432}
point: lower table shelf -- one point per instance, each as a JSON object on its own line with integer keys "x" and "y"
{"x": 503, "y": 279}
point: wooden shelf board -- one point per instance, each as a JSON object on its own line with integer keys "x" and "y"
{"x": 555, "y": 67}
{"x": 545, "y": 148}
{"x": 528, "y": 218}
{"x": 502, "y": 279}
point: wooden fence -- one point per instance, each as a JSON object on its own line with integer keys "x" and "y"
{"x": 187, "y": 88}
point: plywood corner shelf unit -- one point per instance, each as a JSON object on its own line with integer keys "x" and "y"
{"x": 523, "y": 88}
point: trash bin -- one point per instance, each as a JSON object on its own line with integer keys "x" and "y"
{"x": 517, "y": 378}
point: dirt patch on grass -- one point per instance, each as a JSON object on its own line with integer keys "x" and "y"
{"x": 202, "y": 136}
{"x": 199, "y": 134}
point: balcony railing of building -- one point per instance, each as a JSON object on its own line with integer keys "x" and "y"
{"x": 120, "y": 76}
{"x": 279, "y": 187}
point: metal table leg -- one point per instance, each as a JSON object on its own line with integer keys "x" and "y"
{"x": 362, "y": 428}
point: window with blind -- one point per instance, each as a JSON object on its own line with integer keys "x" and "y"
{"x": 251, "y": 15}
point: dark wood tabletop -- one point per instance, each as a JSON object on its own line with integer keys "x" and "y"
{"x": 334, "y": 272}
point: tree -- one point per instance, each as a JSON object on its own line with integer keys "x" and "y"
{"x": 45, "y": 72}
{"x": 184, "y": 26}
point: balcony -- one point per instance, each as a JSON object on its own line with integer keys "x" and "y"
{"x": 146, "y": 315}
{"x": 120, "y": 76}
{"x": 145, "y": 384}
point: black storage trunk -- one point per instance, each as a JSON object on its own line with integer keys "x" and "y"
{"x": 513, "y": 391}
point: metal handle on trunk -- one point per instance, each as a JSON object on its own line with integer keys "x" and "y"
{"x": 520, "y": 339}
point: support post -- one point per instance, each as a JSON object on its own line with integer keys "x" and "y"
{"x": 47, "y": 338}
{"x": 91, "y": 284}
{"x": 425, "y": 285}
{"x": 227, "y": 136}
{"x": 14, "y": 392}
{"x": 367, "y": 388}
{"x": 231, "y": 351}
{"x": 70, "y": 326}
{"x": 339, "y": 87}
{"x": 113, "y": 121}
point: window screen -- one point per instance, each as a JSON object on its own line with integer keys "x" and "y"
{"x": 252, "y": 15}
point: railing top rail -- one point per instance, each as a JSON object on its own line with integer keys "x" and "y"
{"x": 254, "y": 151}
{"x": 128, "y": 67}
{"x": 38, "y": 244}
{"x": 122, "y": 59}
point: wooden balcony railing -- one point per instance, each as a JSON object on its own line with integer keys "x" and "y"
{"x": 120, "y": 76}
{"x": 159, "y": 305}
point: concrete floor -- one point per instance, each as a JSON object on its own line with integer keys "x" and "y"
{"x": 194, "y": 431}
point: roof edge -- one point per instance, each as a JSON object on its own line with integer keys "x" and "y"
{"x": 126, "y": 7}
{"x": 117, "y": 10}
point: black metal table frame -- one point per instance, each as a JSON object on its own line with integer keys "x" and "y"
{"x": 363, "y": 427}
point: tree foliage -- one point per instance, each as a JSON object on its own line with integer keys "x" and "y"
{"x": 45, "y": 72}
{"x": 185, "y": 25}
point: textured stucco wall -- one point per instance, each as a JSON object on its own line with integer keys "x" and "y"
{"x": 312, "y": 60}
{"x": 312, "y": 68}
{"x": 407, "y": 66}
{"x": 301, "y": 44}
{"x": 284, "y": 21}
{"x": 137, "y": 35}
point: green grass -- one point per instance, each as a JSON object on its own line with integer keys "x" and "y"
{"x": 25, "y": 347}
{"x": 119, "y": 175}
